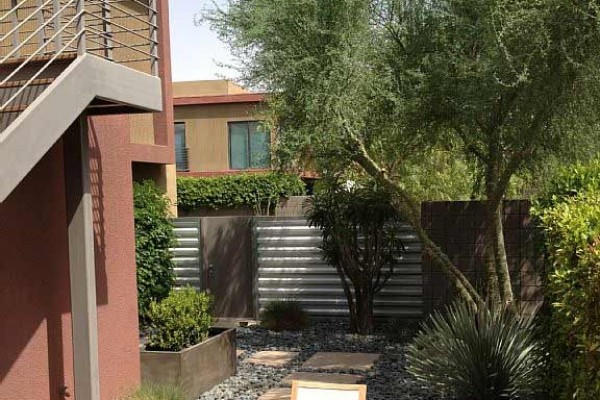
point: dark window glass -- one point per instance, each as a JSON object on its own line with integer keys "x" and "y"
{"x": 249, "y": 145}
{"x": 181, "y": 151}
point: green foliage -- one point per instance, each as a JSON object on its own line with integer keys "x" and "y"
{"x": 179, "y": 321}
{"x": 401, "y": 330}
{"x": 473, "y": 355}
{"x": 154, "y": 237}
{"x": 250, "y": 190}
{"x": 570, "y": 181}
{"x": 157, "y": 392}
{"x": 572, "y": 233}
{"x": 361, "y": 238}
{"x": 284, "y": 315}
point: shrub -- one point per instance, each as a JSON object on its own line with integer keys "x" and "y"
{"x": 401, "y": 330}
{"x": 260, "y": 191}
{"x": 572, "y": 239}
{"x": 361, "y": 239}
{"x": 181, "y": 320}
{"x": 284, "y": 315}
{"x": 153, "y": 237}
{"x": 570, "y": 181}
{"x": 473, "y": 355}
{"x": 157, "y": 392}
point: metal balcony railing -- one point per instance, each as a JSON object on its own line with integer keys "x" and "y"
{"x": 35, "y": 34}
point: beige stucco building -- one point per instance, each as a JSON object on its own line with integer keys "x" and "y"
{"x": 218, "y": 129}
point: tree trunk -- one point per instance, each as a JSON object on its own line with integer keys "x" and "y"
{"x": 502, "y": 269}
{"x": 411, "y": 210}
{"x": 493, "y": 297}
{"x": 364, "y": 312}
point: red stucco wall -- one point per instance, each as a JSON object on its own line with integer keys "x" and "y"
{"x": 36, "y": 355}
{"x": 35, "y": 327}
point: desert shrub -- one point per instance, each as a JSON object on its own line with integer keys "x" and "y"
{"x": 181, "y": 320}
{"x": 473, "y": 355}
{"x": 259, "y": 191}
{"x": 154, "y": 237}
{"x": 401, "y": 330}
{"x": 284, "y": 315}
{"x": 361, "y": 231}
{"x": 572, "y": 289}
{"x": 157, "y": 392}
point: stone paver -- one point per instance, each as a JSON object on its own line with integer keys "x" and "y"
{"x": 272, "y": 358}
{"x": 342, "y": 361}
{"x": 277, "y": 394}
{"x": 239, "y": 353}
{"x": 321, "y": 377}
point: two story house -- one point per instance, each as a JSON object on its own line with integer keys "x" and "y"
{"x": 218, "y": 129}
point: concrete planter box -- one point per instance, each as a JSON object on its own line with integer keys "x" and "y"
{"x": 196, "y": 369}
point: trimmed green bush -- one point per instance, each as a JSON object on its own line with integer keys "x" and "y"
{"x": 284, "y": 315}
{"x": 154, "y": 237}
{"x": 181, "y": 320}
{"x": 157, "y": 392}
{"x": 572, "y": 239}
{"x": 475, "y": 355}
{"x": 259, "y": 191}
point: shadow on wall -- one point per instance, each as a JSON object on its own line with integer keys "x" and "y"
{"x": 35, "y": 328}
{"x": 228, "y": 264}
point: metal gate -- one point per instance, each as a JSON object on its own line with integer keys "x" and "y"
{"x": 186, "y": 253}
{"x": 290, "y": 266}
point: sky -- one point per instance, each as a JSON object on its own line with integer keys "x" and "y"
{"x": 196, "y": 50}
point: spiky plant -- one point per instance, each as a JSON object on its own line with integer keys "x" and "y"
{"x": 477, "y": 354}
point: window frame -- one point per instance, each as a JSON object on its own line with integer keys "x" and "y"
{"x": 248, "y": 145}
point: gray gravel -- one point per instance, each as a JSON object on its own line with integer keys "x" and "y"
{"x": 387, "y": 381}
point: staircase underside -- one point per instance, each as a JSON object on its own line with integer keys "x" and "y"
{"x": 88, "y": 83}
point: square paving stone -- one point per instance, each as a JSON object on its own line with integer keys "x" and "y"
{"x": 272, "y": 358}
{"x": 347, "y": 379}
{"x": 277, "y": 394}
{"x": 342, "y": 361}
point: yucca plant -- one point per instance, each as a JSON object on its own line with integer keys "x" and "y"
{"x": 477, "y": 354}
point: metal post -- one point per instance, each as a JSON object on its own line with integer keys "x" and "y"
{"x": 58, "y": 42}
{"x": 15, "y": 37}
{"x": 81, "y": 44}
{"x": 40, "y": 21}
{"x": 83, "y": 283}
{"x": 153, "y": 37}
{"x": 107, "y": 28}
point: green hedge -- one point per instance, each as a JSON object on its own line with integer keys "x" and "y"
{"x": 569, "y": 211}
{"x": 231, "y": 191}
{"x": 572, "y": 234}
{"x": 153, "y": 238}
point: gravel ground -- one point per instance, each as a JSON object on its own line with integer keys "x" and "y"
{"x": 387, "y": 380}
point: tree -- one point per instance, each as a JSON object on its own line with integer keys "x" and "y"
{"x": 375, "y": 82}
{"x": 361, "y": 239}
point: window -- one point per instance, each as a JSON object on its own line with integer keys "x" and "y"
{"x": 181, "y": 151}
{"x": 249, "y": 145}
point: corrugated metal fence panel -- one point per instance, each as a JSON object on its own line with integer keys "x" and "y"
{"x": 186, "y": 254}
{"x": 290, "y": 266}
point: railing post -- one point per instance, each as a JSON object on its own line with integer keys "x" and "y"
{"x": 153, "y": 37}
{"x": 58, "y": 42}
{"x": 81, "y": 43}
{"x": 15, "y": 37}
{"x": 107, "y": 28}
{"x": 40, "y": 19}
